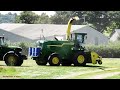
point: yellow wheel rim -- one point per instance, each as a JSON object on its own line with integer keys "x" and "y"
{"x": 80, "y": 59}
{"x": 55, "y": 60}
{"x": 11, "y": 60}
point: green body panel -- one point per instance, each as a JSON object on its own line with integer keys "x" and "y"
{"x": 63, "y": 48}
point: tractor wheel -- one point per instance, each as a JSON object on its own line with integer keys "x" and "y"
{"x": 41, "y": 62}
{"x": 54, "y": 60}
{"x": 79, "y": 59}
{"x": 12, "y": 59}
{"x": 100, "y": 62}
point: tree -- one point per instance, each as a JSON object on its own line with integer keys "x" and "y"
{"x": 7, "y": 18}
{"x": 98, "y": 19}
{"x": 27, "y": 17}
{"x": 61, "y": 17}
{"x": 43, "y": 19}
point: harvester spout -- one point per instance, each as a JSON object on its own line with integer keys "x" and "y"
{"x": 69, "y": 26}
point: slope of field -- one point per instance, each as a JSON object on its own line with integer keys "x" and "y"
{"x": 110, "y": 69}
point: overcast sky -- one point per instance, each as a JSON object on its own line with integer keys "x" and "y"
{"x": 37, "y": 12}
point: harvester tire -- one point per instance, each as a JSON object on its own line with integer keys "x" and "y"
{"x": 54, "y": 60}
{"x": 41, "y": 62}
{"x": 79, "y": 59}
{"x": 12, "y": 59}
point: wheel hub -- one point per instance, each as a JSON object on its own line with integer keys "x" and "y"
{"x": 55, "y": 60}
{"x": 11, "y": 60}
{"x": 80, "y": 59}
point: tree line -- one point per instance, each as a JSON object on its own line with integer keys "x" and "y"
{"x": 7, "y": 18}
{"x": 103, "y": 21}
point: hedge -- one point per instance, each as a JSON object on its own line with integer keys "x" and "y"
{"x": 111, "y": 50}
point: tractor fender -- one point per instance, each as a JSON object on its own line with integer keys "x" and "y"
{"x": 52, "y": 54}
{"x": 9, "y": 53}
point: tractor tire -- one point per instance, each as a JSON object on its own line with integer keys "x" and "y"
{"x": 99, "y": 62}
{"x": 12, "y": 59}
{"x": 41, "y": 62}
{"x": 54, "y": 60}
{"x": 79, "y": 59}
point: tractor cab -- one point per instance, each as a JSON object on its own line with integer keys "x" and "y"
{"x": 79, "y": 37}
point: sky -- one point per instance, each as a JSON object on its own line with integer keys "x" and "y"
{"x": 37, "y": 12}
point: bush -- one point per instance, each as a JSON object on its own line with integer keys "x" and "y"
{"x": 112, "y": 50}
{"x": 24, "y": 48}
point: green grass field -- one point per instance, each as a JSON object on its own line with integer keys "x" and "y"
{"x": 110, "y": 69}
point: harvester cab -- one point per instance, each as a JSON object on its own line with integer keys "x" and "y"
{"x": 79, "y": 38}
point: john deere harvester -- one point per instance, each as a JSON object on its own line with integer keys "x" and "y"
{"x": 67, "y": 52}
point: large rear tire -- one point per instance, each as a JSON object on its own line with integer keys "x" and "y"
{"x": 79, "y": 59}
{"x": 54, "y": 60}
{"x": 12, "y": 59}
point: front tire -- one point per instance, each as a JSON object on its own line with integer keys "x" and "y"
{"x": 54, "y": 60}
{"x": 79, "y": 59}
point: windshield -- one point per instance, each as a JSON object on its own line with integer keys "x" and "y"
{"x": 79, "y": 38}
